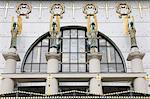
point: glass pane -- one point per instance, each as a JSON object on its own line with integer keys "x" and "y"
{"x": 43, "y": 68}
{"x": 73, "y": 45}
{"x": 81, "y": 34}
{"x": 103, "y": 52}
{"x": 66, "y": 45}
{"x": 36, "y": 54}
{"x": 43, "y": 52}
{"x": 104, "y": 68}
{"x": 39, "y": 44}
{"x": 102, "y": 42}
{"x": 81, "y": 44}
{"x": 112, "y": 67}
{"x": 65, "y": 57}
{"x": 45, "y": 42}
{"x": 73, "y": 68}
{"x": 81, "y": 57}
{"x": 108, "y": 44}
{"x": 73, "y": 57}
{"x": 65, "y": 67}
{"x": 118, "y": 58}
{"x": 66, "y": 33}
{"x": 74, "y": 33}
{"x": 29, "y": 58}
{"x": 27, "y": 68}
{"x": 120, "y": 68}
{"x": 82, "y": 68}
{"x": 35, "y": 67}
{"x": 110, "y": 55}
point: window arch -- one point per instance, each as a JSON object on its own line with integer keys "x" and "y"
{"x": 73, "y": 49}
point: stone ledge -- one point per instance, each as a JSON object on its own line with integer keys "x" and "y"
{"x": 11, "y": 55}
{"x": 97, "y": 55}
{"x": 52, "y": 55}
{"x": 136, "y": 54}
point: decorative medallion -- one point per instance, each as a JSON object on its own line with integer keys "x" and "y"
{"x": 90, "y": 9}
{"x": 24, "y": 9}
{"x": 57, "y": 9}
{"x": 123, "y": 9}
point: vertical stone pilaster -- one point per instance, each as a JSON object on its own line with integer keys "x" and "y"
{"x": 135, "y": 56}
{"x": 94, "y": 67}
{"x": 52, "y": 67}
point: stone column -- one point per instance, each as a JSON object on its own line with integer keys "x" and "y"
{"x": 52, "y": 67}
{"x": 94, "y": 67}
{"x": 11, "y": 58}
{"x": 135, "y": 56}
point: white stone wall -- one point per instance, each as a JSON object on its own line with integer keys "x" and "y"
{"x": 112, "y": 27}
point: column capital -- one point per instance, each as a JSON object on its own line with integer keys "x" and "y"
{"x": 11, "y": 55}
{"x": 97, "y": 55}
{"x": 135, "y": 54}
{"x": 53, "y": 55}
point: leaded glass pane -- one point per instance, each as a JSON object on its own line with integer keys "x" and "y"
{"x": 73, "y": 58}
{"x": 112, "y": 68}
{"x": 82, "y": 67}
{"x": 44, "y": 50}
{"x": 102, "y": 42}
{"x": 35, "y": 67}
{"x": 104, "y": 53}
{"x": 81, "y": 57}
{"x": 73, "y": 45}
{"x": 36, "y": 54}
{"x": 66, "y": 45}
{"x": 73, "y": 68}
{"x": 65, "y": 67}
{"x": 65, "y": 57}
{"x": 120, "y": 68}
{"x": 74, "y": 33}
{"x": 104, "y": 68}
{"x": 81, "y": 34}
{"x": 118, "y": 59}
{"x": 81, "y": 44}
{"x": 27, "y": 67}
{"x": 66, "y": 33}
{"x": 43, "y": 67}
{"x": 110, "y": 55}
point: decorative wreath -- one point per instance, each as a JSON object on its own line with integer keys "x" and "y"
{"x": 23, "y": 9}
{"x": 123, "y": 9}
{"x": 57, "y": 9}
{"x": 90, "y": 9}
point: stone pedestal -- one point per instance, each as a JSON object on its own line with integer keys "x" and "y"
{"x": 96, "y": 86}
{"x": 140, "y": 85}
{"x": 52, "y": 58}
{"x": 7, "y": 85}
{"x": 94, "y": 67}
{"x": 11, "y": 58}
{"x": 94, "y": 62}
{"x": 51, "y": 86}
{"x": 52, "y": 62}
{"x": 135, "y": 56}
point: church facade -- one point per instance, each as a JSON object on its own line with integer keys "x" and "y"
{"x": 94, "y": 47}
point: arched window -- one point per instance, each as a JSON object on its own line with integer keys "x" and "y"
{"x": 73, "y": 49}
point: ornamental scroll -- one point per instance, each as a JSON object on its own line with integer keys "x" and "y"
{"x": 123, "y": 10}
{"x": 23, "y": 9}
{"x": 90, "y": 10}
{"x": 56, "y": 11}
